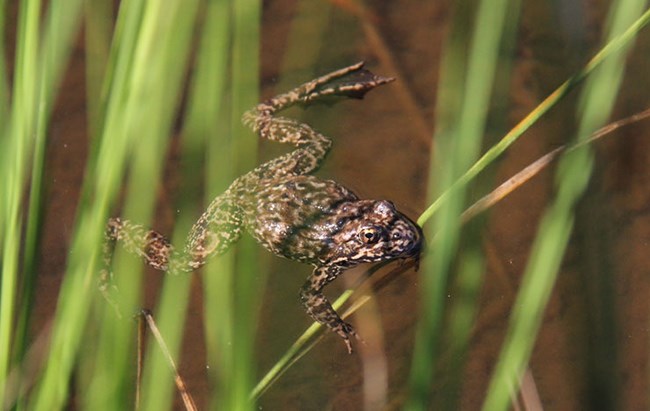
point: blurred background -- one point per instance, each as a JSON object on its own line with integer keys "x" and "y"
{"x": 135, "y": 112}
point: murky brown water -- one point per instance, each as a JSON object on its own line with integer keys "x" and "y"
{"x": 592, "y": 348}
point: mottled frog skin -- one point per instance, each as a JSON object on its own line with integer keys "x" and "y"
{"x": 290, "y": 213}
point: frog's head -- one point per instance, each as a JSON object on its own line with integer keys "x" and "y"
{"x": 374, "y": 231}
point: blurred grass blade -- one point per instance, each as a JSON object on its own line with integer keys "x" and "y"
{"x": 206, "y": 148}
{"x": 304, "y": 45}
{"x": 98, "y": 31}
{"x": 298, "y": 349}
{"x": 62, "y": 23}
{"x": 525, "y": 174}
{"x": 160, "y": 35}
{"x": 4, "y": 79}
{"x": 77, "y": 289}
{"x": 18, "y": 144}
{"x": 550, "y": 244}
{"x": 615, "y": 44}
{"x": 166, "y": 34}
{"x": 249, "y": 280}
{"x": 38, "y": 70}
{"x": 460, "y": 125}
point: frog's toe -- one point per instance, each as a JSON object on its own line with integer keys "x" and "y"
{"x": 345, "y": 330}
{"x": 351, "y": 82}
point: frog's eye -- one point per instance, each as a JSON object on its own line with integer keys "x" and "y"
{"x": 369, "y": 235}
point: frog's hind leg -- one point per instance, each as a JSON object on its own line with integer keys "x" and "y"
{"x": 211, "y": 235}
{"x": 154, "y": 249}
{"x": 215, "y": 231}
{"x": 352, "y": 82}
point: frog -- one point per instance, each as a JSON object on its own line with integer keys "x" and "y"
{"x": 286, "y": 209}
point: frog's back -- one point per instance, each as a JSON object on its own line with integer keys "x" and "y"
{"x": 295, "y": 216}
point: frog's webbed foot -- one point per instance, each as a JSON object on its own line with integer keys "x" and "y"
{"x": 320, "y": 309}
{"x": 352, "y": 82}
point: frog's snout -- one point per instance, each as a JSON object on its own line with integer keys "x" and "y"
{"x": 416, "y": 243}
{"x": 407, "y": 238}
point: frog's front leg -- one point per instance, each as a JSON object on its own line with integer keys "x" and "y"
{"x": 319, "y": 308}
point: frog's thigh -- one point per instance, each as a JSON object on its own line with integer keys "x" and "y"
{"x": 214, "y": 233}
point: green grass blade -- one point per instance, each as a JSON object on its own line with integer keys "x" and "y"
{"x": 98, "y": 16}
{"x": 549, "y": 102}
{"x": 160, "y": 58}
{"x": 38, "y": 73}
{"x": 299, "y": 348}
{"x": 305, "y": 40}
{"x": 206, "y": 147}
{"x": 4, "y": 80}
{"x": 249, "y": 280}
{"x": 148, "y": 50}
{"x": 304, "y": 47}
{"x": 78, "y": 290}
{"x": 14, "y": 165}
{"x": 53, "y": 55}
{"x": 457, "y": 143}
{"x": 231, "y": 32}
{"x": 489, "y": 60}
{"x": 550, "y": 244}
